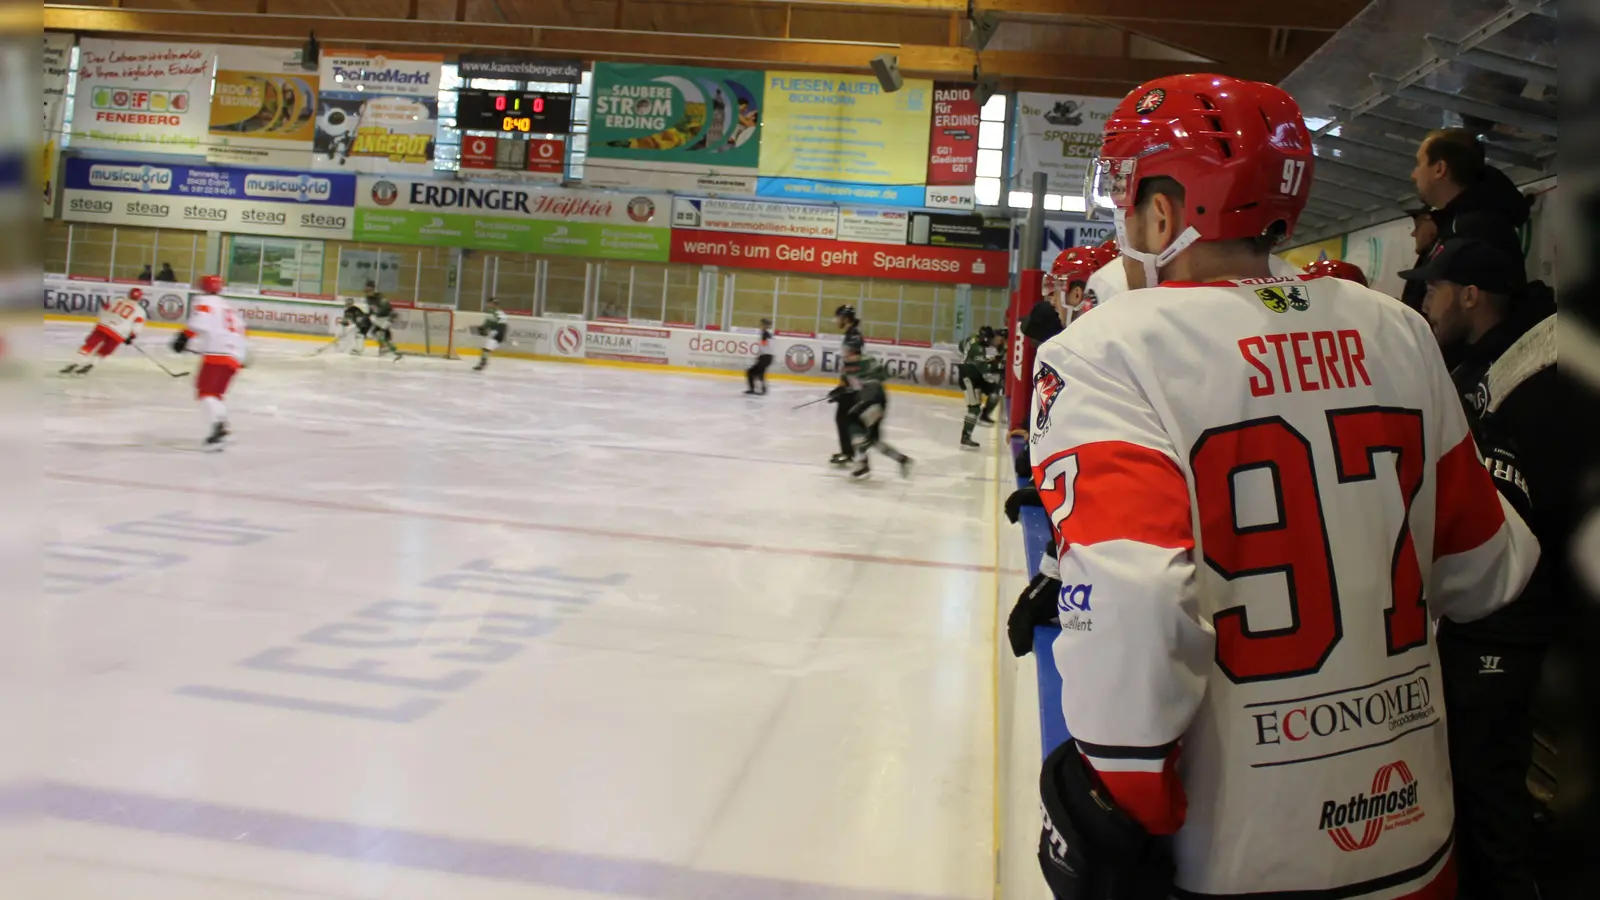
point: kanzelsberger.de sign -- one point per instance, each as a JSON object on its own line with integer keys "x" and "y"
{"x": 522, "y": 219}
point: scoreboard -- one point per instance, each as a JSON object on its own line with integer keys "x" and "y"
{"x": 514, "y": 112}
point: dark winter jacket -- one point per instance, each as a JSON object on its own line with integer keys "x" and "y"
{"x": 1492, "y": 210}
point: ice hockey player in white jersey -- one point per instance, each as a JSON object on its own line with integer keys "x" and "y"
{"x": 1111, "y": 279}
{"x": 1264, "y": 492}
{"x": 216, "y": 332}
{"x": 493, "y": 330}
{"x": 119, "y": 324}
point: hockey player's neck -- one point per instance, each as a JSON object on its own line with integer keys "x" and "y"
{"x": 1205, "y": 263}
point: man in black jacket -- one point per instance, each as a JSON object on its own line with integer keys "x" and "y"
{"x": 1469, "y": 197}
{"x": 1424, "y": 237}
{"x": 1502, "y": 332}
{"x": 844, "y": 394}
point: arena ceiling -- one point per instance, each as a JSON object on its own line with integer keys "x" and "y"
{"x": 1094, "y": 47}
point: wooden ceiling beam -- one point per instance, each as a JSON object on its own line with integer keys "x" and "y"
{"x": 740, "y": 52}
{"x": 1324, "y": 15}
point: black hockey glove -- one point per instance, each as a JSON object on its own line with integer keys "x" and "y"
{"x": 128, "y": 339}
{"x": 1028, "y": 496}
{"x": 837, "y": 394}
{"x": 1090, "y": 849}
{"x": 1035, "y": 606}
{"x": 180, "y": 342}
{"x": 1024, "y": 463}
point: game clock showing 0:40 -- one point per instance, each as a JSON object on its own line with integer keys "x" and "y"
{"x": 522, "y": 112}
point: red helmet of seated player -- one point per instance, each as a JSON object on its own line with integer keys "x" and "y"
{"x": 135, "y": 294}
{"x": 1240, "y": 149}
{"x": 1109, "y": 249}
{"x": 1337, "y": 268}
{"x": 1072, "y": 266}
{"x": 211, "y": 284}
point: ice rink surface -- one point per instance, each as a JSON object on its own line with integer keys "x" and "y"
{"x": 547, "y": 631}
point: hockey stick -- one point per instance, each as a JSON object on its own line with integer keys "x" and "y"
{"x": 140, "y": 348}
{"x": 319, "y": 350}
{"x": 810, "y": 403}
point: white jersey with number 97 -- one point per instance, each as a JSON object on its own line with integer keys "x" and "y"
{"x": 216, "y": 328}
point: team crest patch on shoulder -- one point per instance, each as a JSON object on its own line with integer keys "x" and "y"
{"x": 1047, "y": 385}
{"x": 1150, "y": 102}
{"x": 1284, "y": 298}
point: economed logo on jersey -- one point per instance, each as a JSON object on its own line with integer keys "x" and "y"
{"x": 1392, "y": 803}
{"x": 1284, "y": 298}
{"x": 1047, "y": 385}
{"x": 800, "y": 358}
{"x": 567, "y": 340}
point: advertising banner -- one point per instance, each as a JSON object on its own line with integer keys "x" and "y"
{"x": 756, "y": 217}
{"x": 520, "y": 159}
{"x": 377, "y": 112}
{"x": 56, "y": 59}
{"x": 151, "y": 95}
{"x": 953, "y": 146}
{"x": 202, "y": 198}
{"x": 1058, "y": 135}
{"x": 521, "y": 68}
{"x": 843, "y": 138}
{"x": 874, "y": 226}
{"x": 811, "y": 255}
{"x": 625, "y": 343}
{"x": 68, "y": 297}
{"x": 524, "y": 219}
{"x": 263, "y": 108}
{"x": 968, "y": 232}
{"x": 675, "y": 127}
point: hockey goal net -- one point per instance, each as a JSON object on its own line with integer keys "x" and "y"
{"x": 426, "y": 330}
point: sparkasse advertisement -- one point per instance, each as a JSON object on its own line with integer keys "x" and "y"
{"x": 517, "y": 218}
{"x": 903, "y": 263}
{"x": 135, "y": 95}
{"x": 377, "y": 112}
{"x": 204, "y": 198}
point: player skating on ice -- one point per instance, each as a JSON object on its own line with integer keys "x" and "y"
{"x": 354, "y": 324}
{"x": 970, "y": 375}
{"x": 1264, "y": 495}
{"x": 993, "y": 375}
{"x": 757, "y": 373}
{"x": 119, "y": 324}
{"x": 493, "y": 330}
{"x": 217, "y": 333}
{"x": 381, "y": 313}
{"x": 864, "y": 377}
{"x": 844, "y": 395}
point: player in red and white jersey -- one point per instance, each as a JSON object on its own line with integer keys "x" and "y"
{"x": 119, "y": 324}
{"x": 1065, "y": 285}
{"x": 217, "y": 333}
{"x": 1110, "y": 279}
{"x": 1264, "y": 491}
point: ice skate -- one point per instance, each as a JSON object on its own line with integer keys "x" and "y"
{"x": 839, "y": 459}
{"x": 967, "y": 443}
{"x": 862, "y": 472}
{"x": 218, "y": 437}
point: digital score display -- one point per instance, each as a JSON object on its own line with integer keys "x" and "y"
{"x": 521, "y": 112}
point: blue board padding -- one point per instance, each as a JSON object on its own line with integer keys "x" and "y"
{"x": 1035, "y": 537}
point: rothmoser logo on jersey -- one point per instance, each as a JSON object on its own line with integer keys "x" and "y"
{"x": 1358, "y": 823}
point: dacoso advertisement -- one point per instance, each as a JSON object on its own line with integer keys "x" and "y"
{"x": 675, "y": 127}
{"x": 202, "y": 198}
{"x": 844, "y": 138}
{"x": 263, "y": 108}
{"x": 525, "y": 219}
{"x": 377, "y": 112}
{"x": 135, "y": 95}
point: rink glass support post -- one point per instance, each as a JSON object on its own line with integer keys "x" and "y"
{"x": 416, "y": 282}
{"x": 1019, "y": 373}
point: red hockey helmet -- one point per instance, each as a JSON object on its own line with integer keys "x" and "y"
{"x": 135, "y": 294}
{"x": 1338, "y": 268}
{"x": 1109, "y": 249}
{"x": 1240, "y": 149}
{"x": 1072, "y": 266}
{"x": 211, "y": 284}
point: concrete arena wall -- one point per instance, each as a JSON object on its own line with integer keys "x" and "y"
{"x": 930, "y": 369}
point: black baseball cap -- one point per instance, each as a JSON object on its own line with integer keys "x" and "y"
{"x": 1466, "y": 261}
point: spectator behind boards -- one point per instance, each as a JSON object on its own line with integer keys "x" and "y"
{"x": 1424, "y": 237}
{"x": 1502, "y": 331}
{"x": 1469, "y": 197}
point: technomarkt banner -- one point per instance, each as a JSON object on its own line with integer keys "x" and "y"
{"x": 1058, "y": 135}
{"x": 53, "y": 80}
{"x": 517, "y": 218}
{"x": 263, "y": 108}
{"x": 377, "y": 112}
{"x": 675, "y": 127}
{"x": 953, "y": 146}
{"x": 843, "y": 138}
{"x": 152, "y": 95}
{"x": 202, "y": 198}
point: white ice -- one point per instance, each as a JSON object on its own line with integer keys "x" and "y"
{"x": 546, "y": 631}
